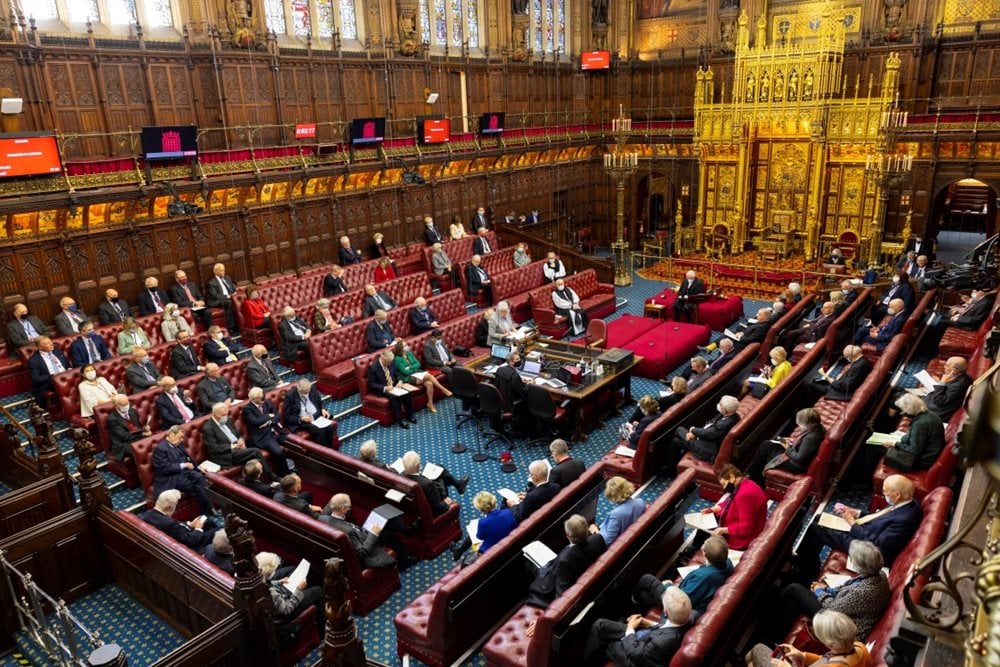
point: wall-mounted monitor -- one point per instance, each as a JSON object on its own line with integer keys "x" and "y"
{"x": 367, "y": 130}
{"x": 595, "y": 60}
{"x": 169, "y": 142}
{"x": 491, "y": 123}
{"x": 433, "y": 130}
{"x": 305, "y": 131}
{"x": 29, "y": 154}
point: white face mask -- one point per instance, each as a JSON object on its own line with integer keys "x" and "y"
{"x": 718, "y": 408}
{"x": 223, "y": 420}
{"x": 888, "y": 501}
{"x": 172, "y": 390}
{"x": 895, "y": 280}
{"x": 845, "y": 292}
{"x": 217, "y": 336}
{"x": 90, "y": 375}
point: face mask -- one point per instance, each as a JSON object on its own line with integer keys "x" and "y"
{"x": 254, "y": 295}
{"x": 888, "y": 501}
{"x": 775, "y": 362}
{"x": 223, "y": 420}
{"x": 217, "y": 336}
{"x": 71, "y": 308}
{"x": 845, "y": 292}
{"x": 895, "y": 280}
{"x": 183, "y": 281}
{"x": 718, "y": 407}
{"x": 124, "y": 410}
{"x": 729, "y": 487}
{"x": 90, "y": 375}
{"x": 114, "y": 299}
{"x": 144, "y": 360}
{"x": 172, "y": 390}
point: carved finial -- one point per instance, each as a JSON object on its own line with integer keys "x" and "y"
{"x": 244, "y": 548}
{"x": 341, "y": 646}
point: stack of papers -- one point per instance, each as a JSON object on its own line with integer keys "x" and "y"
{"x": 209, "y": 466}
{"x": 509, "y": 496}
{"x": 836, "y": 580}
{"x": 834, "y": 522}
{"x": 473, "y": 530}
{"x": 700, "y": 521}
{"x": 686, "y": 570}
{"x": 925, "y": 378}
{"x": 394, "y": 495}
{"x": 622, "y": 450}
{"x": 296, "y": 578}
{"x": 322, "y": 422}
{"x": 538, "y": 553}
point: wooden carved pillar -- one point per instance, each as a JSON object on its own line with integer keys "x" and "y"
{"x": 817, "y": 186}
{"x": 251, "y": 592}
{"x": 50, "y": 460}
{"x": 341, "y": 645}
{"x": 93, "y": 490}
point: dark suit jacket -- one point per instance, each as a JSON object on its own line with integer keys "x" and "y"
{"x": 297, "y": 503}
{"x": 288, "y": 336}
{"x": 183, "y": 362}
{"x": 566, "y": 472}
{"x": 376, "y": 377}
{"x": 78, "y": 350}
{"x": 41, "y": 380}
{"x": 167, "y": 460}
{"x": 217, "y": 446}
{"x": 195, "y": 539}
{"x": 370, "y": 305}
{"x": 213, "y": 291}
{"x": 259, "y": 423}
{"x": 708, "y": 438}
{"x": 378, "y": 337}
{"x": 432, "y": 492}
{"x": 293, "y": 405}
{"x": 107, "y": 314}
{"x": 258, "y": 486}
{"x": 888, "y": 330}
{"x": 348, "y": 256}
{"x": 214, "y": 353}
{"x": 16, "y": 335}
{"x": 364, "y": 543}
{"x": 891, "y": 531}
{"x": 843, "y": 388}
{"x": 974, "y": 315}
{"x": 479, "y": 246}
{"x": 719, "y": 362}
{"x": 924, "y": 439}
{"x": 817, "y": 328}
{"x": 333, "y": 285}
{"x": 644, "y": 422}
{"x": 563, "y": 571}
{"x": 119, "y": 434}
{"x": 421, "y": 321}
{"x": 222, "y": 561}
{"x": 146, "y": 305}
{"x": 431, "y": 357}
{"x": 511, "y": 387}
{"x": 207, "y": 396}
{"x": 755, "y": 333}
{"x": 142, "y": 376}
{"x": 168, "y": 412}
{"x": 534, "y": 499}
{"x": 257, "y": 373}
{"x": 432, "y": 235}
{"x": 473, "y": 279}
{"x": 478, "y": 222}
{"x": 64, "y": 325}
{"x": 696, "y": 287}
{"x": 178, "y": 296}
{"x": 945, "y": 399}
{"x": 800, "y": 454}
{"x": 655, "y": 649}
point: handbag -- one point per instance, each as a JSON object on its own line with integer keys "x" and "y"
{"x": 900, "y": 459}
{"x": 460, "y": 351}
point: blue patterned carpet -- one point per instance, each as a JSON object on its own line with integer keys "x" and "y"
{"x": 121, "y": 619}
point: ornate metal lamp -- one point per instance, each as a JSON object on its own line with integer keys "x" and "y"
{"x": 621, "y": 164}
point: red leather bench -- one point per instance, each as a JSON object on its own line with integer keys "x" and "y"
{"x": 962, "y": 343}
{"x": 910, "y": 326}
{"x": 514, "y": 287}
{"x": 559, "y": 633}
{"x": 718, "y": 312}
{"x": 375, "y": 406}
{"x": 840, "y": 331}
{"x": 693, "y": 407}
{"x": 790, "y": 319}
{"x": 663, "y": 348}
{"x": 596, "y": 299}
{"x": 446, "y": 620}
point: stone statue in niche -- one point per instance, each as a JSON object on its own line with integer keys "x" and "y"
{"x": 519, "y": 6}
{"x": 727, "y": 32}
{"x": 765, "y": 88}
{"x": 751, "y": 92}
{"x": 893, "y": 13}
{"x": 779, "y": 86}
{"x": 239, "y": 19}
{"x": 409, "y": 40}
{"x": 807, "y": 85}
{"x": 793, "y": 86}
{"x": 599, "y": 12}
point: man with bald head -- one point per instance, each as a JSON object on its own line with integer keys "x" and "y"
{"x": 124, "y": 427}
{"x": 153, "y": 299}
{"x": 948, "y": 394}
{"x": 264, "y": 429}
{"x": 692, "y": 285}
{"x": 890, "y": 529}
{"x": 757, "y": 331}
{"x": 172, "y": 405}
{"x": 113, "y": 309}
{"x": 220, "y": 290}
{"x": 70, "y": 317}
{"x": 840, "y": 385}
{"x": 187, "y": 295}
{"x": 812, "y": 331}
{"x": 422, "y": 317}
{"x": 260, "y": 370}
{"x": 477, "y": 279}
{"x": 214, "y": 388}
{"x": 24, "y": 328}
{"x": 294, "y": 334}
{"x": 224, "y": 445}
{"x": 880, "y": 335}
{"x": 47, "y": 361}
{"x": 142, "y": 373}
{"x": 366, "y": 544}
{"x": 376, "y": 299}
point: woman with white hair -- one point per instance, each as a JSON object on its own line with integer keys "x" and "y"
{"x": 173, "y": 322}
{"x": 288, "y": 604}
{"x": 918, "y": 449}
{"x": 835, "y": 630}
{"x": 323, "y": 319}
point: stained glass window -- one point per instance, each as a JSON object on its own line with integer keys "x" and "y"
{"x": 348, "y": 20}
{"x": 425, "y": 23}
{"x": 440, "y": 23}
{"x": 122, "y": 12}
{"x": 157, "y": 13}
{"x": 324, "y": 13}
{"x": 549, "y": 21}
{"x": 274, "y": 16}
{"x": 547, "y": 28}
{"x": 81, "y": 11}
{"x": 456, "y": 23}
{"x": 450, "y": 23}
{"x": 301, "y": 21}
{"x": 562, "y": 26}
{"x": 473, "y": 23}
{"x": 45, "y": 9}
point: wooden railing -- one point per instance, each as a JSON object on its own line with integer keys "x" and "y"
{"x": 574, "y": 260}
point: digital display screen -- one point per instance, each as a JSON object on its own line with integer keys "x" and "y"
{"x": 305, "y": 131}
{"x": 491, "y": 123}
{"x": 595, "y": 60}
{"x": 163, "y": 142}
{"x": 367, "y": 130}
{"x": 434, "y": 130}
{"x": 29, "y": 155}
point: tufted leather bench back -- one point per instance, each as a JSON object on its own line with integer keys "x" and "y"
{"x": 331, "y": 347}
{"x": 514, "y": 286}
{"x": 788, "y": 320}
{"x": 458, "y": 252}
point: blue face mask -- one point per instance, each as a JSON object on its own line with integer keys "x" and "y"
{"x": 72, "y": 308}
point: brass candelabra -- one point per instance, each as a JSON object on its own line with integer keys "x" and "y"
{"x": 621, "y": 165}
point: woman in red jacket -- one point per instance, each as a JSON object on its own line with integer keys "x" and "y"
{"x": 256, "y": 313}
{"x": 742, "y": 514}
{"x": 384, "y": 271}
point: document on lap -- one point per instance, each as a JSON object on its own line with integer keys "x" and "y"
{"x": 834, "y": 522}
{"x": 298, "y": 576}
{"x": 538, "y": 553}
{"x": 322, "y": 422}
{"x": 700, "y": 521}
{"x": 509, "y": 496}
{"x": 381, "y": 516}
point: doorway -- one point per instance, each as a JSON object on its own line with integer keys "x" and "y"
{"x": 963, "y": 215}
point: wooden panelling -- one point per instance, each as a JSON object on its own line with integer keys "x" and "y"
{"x": 34, "y": 504}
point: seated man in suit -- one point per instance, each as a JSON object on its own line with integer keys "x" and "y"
{"x": 541, "y": 492}
{"x": 252, "y": 478}
{"x": 369, "y": 546}
{"x": 124, "y": 427}
{"x": 173, "y": 407}
{"x": 421, "y": 316}
{"x": 346, "y": 254}
{"x": 435, "y": 490}
{"x": 89, "y": 347}
{"x": 220, "y": 290}
{"x": 640, "y": 641}
{"x": 511, "y": 387}
{"x": 186, "y": 294}
{"x": 113, "y": 309}
{"x": 184, "y": 359}
{"x": 431, "y": 234}
{"x": 214, "y": 388}
{"x": 152, "y": 300}
{"x": 704, "y": 442}
{"x": 141, "y": 373}
{"x": 333, "y": 282}
{"x": 477, "y": 279}
{"x": 481, "y": 244}
{"x": 218, "y": 349}
{"x": 727, "y": 350}
{"x": 700, "y": 372}
{"x": 294, "y": 334}
{"x": 260, "y": 371}
{"x": 48, "y": 360}
{"x": 691, "y": 286}
{"x": 561, "y": 572}
{"x": 480, "y": 221}
{"x": 383, "y": 376}
{"x": 567, "y": 469}
{"x": 836, "y": 258}
{"x": 971, "y": 313}
{"x": 173, "y": 468}
{"x": 264, "y": 431}
{"x": 368, "y": 452}
{"x": 291, "y": 495}
{"x": 376, "y": 300}
{"x": 889, "y": 529}
{"x": 303, "y": 411}
{"x": 378, "y": 333}
{"x": 196, "y": 534}
{"x": 812, "y": 331}
{"x": 69, "y": 318}
{"x": 437, "y": 354}
{"x": 880, "y": 335}
{"x": 842, "y": 386}
{"x": 944, "y": 399}
{"x": 220, "y": 552}
{"x": 900, "y": 289}
{"x": 223, "y": 443}
{"x": 24, "y": 329}
{"x": 700, "y": 584}
{"x": 756, "y": 332}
